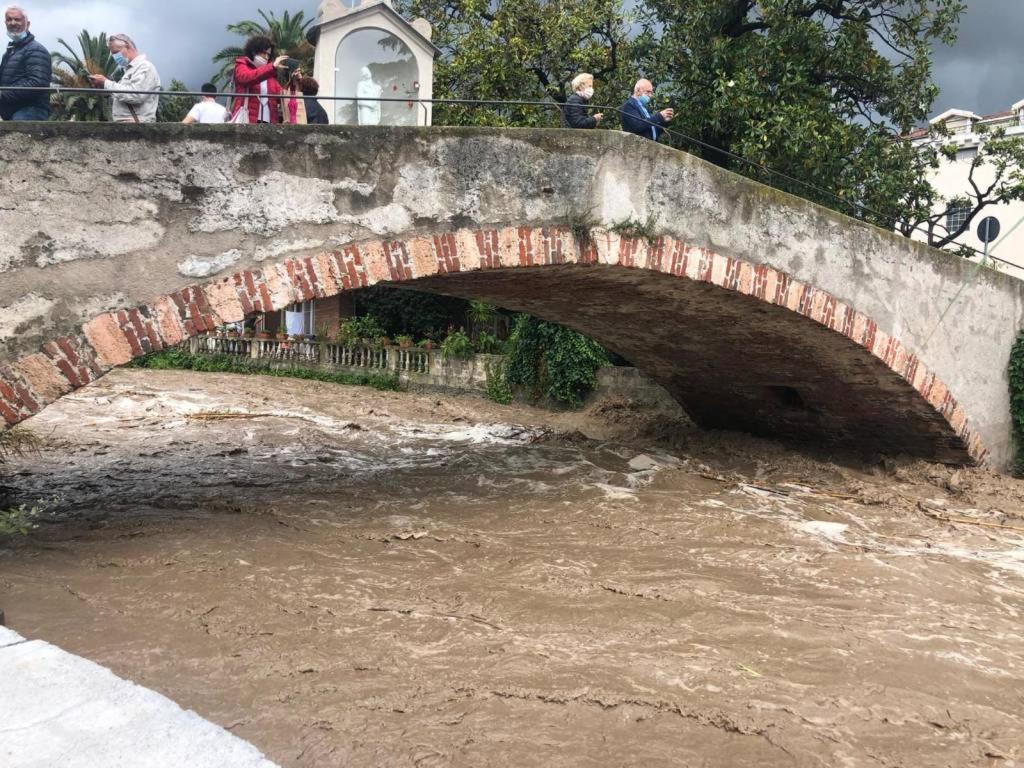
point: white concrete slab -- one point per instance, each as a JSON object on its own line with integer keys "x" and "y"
{"x": 9, "y": 637}
{"x": 61, "y": 711}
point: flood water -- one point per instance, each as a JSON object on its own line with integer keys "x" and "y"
{"x": 348, "y": 577}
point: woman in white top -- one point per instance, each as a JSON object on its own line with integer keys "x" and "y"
{"x": 207, "y": 110}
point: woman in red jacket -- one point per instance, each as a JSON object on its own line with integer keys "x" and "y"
{"x": 255, "y": 74}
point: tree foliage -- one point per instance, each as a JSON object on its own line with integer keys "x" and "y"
{"x": 525, "y": 50}
{"x": 70, "y": 70}
{"x": 173, "y": 109}
{"x": 401, "y": 311}
{"x": 287, "y": 32}
{"x": 815, "y": 89}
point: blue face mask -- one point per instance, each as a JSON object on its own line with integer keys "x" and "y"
{"x": 645, "y": 99}
{"x": 120, "y": 59}
{"x": 17, "y": 36}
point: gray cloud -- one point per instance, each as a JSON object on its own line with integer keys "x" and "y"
{"x": 978, "y": 73}
{"x": 981, "y": 72}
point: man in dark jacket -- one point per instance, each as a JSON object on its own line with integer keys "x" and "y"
{"x": 25, "y": 64}
{"x": 575, "y": 110}
{"x": 637, "y": 118}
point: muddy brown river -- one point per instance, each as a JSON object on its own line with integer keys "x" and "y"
{"x": 346, "y": 577}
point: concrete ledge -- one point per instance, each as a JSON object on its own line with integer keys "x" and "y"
{"x": 61, "y": 711}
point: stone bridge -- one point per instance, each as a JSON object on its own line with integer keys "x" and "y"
{"x": 756, "y": 310}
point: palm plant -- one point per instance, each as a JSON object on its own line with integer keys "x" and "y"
{"x": 71, "y": 70}
{"x": 288, "y": 34}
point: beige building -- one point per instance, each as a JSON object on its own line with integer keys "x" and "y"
{"x": 951, "y": 180}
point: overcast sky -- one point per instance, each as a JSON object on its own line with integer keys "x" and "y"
{"x": 982, "y": 72}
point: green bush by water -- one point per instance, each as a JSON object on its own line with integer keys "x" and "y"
{"x": 181, "y": 359}
{"x": 552, "y": 361}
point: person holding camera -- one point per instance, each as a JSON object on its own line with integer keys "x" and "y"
{"x": 256, "y": 76}
{"x": 637, "y": 118}
{"x": 129, "y": 106}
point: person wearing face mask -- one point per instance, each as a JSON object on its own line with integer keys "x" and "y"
{"x": 256, "y": 74}
{"x": 575, "y": 112}
{"x": 637, "y": 117}
{"x": 25, "y": 64}
{"x": 139, "y": 75}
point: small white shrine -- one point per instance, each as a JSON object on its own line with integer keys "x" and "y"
{"x": 365, "y": 50}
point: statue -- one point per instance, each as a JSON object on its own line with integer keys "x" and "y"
{"x": 366, "y": 88}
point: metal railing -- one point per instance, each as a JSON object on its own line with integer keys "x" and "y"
{"x": 329, "y": 354}
{"x": 767, "y": 174}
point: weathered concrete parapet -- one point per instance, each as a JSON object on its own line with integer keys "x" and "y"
{"x": 755, "y": 309}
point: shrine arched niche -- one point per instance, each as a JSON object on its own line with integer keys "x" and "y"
{"x": 372, "y": 64}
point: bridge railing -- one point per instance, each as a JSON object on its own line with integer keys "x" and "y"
{"x": 317, "y": 354}
{"x": 510, "y": 107}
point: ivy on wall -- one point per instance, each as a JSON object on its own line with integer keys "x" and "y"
{"x": 1017, "y": 400}
{"x": 552, "y": 361}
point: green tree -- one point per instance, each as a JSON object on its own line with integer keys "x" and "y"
{"x": 288, "y": 34}
{"x": 816, "y": 89}
{"x": 523, "y": 50}
{"x": 70, "y": 70}
{"x": 172, "y": 109}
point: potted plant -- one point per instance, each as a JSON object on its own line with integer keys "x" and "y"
{"x": 382, "y": 341}
{"x": 264, "y": 335}
{"x": 427, "y": 344}
{"x": 281, "y": 335}
{"x": 403, "y": 341}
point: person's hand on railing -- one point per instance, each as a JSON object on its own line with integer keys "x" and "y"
{"x": 598, "y": 117}
{"x": 97, "y": 80}
{"x": 668, "y": 114}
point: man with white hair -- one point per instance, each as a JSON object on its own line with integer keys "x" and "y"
{"x": 139, "y": 75}
{"x": 25, "y": 64}
{"x": 636, "y": 116}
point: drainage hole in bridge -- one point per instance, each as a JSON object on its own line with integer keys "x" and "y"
{"x": 787, "y": 397}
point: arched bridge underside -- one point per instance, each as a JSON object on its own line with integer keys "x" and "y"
{"x": 756, "y": 310}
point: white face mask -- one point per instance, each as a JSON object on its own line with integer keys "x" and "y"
{"x": 587, "y": 93}
{"x": 260, "y": 61}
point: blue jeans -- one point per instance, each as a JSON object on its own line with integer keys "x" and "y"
{"x": 32, "y": 113}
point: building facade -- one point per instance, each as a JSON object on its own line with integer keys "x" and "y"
{"x": 967, "y": 132}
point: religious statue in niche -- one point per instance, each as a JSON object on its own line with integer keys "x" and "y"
{"x": 368, "y": 92}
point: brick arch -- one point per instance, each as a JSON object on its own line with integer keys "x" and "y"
{"x": 114, "y": 338}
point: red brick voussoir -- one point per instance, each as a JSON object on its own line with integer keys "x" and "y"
{"x": 115, "y": 338}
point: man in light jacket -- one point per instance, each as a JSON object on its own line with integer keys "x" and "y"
{"x": 139, "y": 75}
